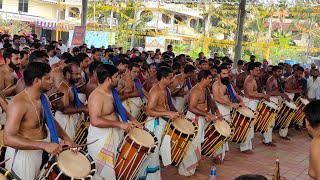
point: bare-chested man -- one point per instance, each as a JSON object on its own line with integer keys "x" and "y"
{"x": 251, "y": 100}
{"x": 203, "y": 65}
{"x": 12, "y": 63}
{"x": 158, "y": 106}
{"x": 105, "y": 123}
{"x": 122, "y": 65}
{"x": 199, "y": 111}
{"x": 312, "y": 112}
{"x": 152, "y": 80}
{"x": 26, "y": 133}
{"x": 226, "y": 98}
{"x": 294, "y": 88}
{"x": 242, "y": 77}
{"x": 68, "y": 116}
{"x": 132, "y": 97}
{"x": 93, "y": 81}
{"x": 180, "y": 87}
{"x": 274, "y": 89}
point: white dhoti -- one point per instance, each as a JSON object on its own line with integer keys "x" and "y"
{"x": 112, "y": 136}
{"x": 225, "y": 111}
{"x": 152, "y": 166}
{"x": 193, "y": 156}
{"x": 133, "y": 105}
{"x": 179, "y": 103}
{"x": 251, "y": 104}
{"x": 26, "y": 163}
{"x": 267, "y": 136}
{"x": 67, "y": 122}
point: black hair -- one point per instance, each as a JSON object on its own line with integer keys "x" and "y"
{"x": 252, "y": 65}
{"x": 169, "y": 46}
{"x": 68, "y": 68}
{"x": 122, "y": 61}
{"x": 203, "y": 74}
{"x": 300, "y": 68}
{"x": 8, "y": 53}
{"x": 72, "y": 60}
{"x": 216, "y": 62}
{"x": 295, "y": 65}
{"x": 251, "y": 177}
{"x": 163, "y": 64}
{"x": 275, "y": 68}
{"x": 105, "y": 71}
{"x": 35, "y": 70}
{"x": 81, "y": 57}
{"x": 214, "y": 67}
{"x": 35, "y": 56}
{"x": 176, "y": 66}
{"x": 65, "y": 56}
{"x": 36, "y": 45}
{"x": 131, "y": 65}
{"x": 189, "y": 69}
{"x": 163, "y": 72}
{"x": 259, "y": 63}
{"x": 50, "y": 47}
{"x": 229, "y": 61}
{"x": 151, "y": 64}
{"x": 312, "y": 113}
{"x": 96, "y": 50}
{"x": 222, "y": 67}
{"x": 93, "y": 66}
{"x": 240, "y": 62}
{"x": 202, "y": 61}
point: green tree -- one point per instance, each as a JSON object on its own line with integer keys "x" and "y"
{"x": 15, "y": 26}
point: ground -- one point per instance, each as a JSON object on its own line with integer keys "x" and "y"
{"x": 293, "y": 156}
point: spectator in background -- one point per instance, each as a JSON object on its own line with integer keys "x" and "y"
{"x": 288, "y": 71}
{"x": 238, "y": 70}
{"x": 96, "y": 54}
{"x": 51, "y": 51}
{"x": 313, "y": 83}
{"x": 169, "y": 52}
{"x": 107, "y": 59}
{"x": 265, "y": 76}
{"x": 75, "y": 51}
{"x": 252, "y": 58}
{"x": 201, "y": 56}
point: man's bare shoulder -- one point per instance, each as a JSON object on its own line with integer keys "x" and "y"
{"x": 56, "y": 70}
{"x": 19, "y": 100}
{"x": 154, "y": 91}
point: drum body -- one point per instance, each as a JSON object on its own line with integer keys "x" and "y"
{"x": 133, "y": 151}
{"x": 242, "y": 120}
{"x": 6, "y": 174}
{"x": 266, "y": 113}
{"x": 142, "y": 116}
{"x": 69, "y": 165}
{"x": 299, "y": 116}
{"x": 82, "y": 132}
{"x": 285, "y": 114}
{"x": 215, "y": 136}
{"x": 181, "y": 131}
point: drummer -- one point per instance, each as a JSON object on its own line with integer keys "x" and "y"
{"x": 294, "y": 89}
{"x": 67, "y": 117}
{"x": 275, "y": 90}
{"x": 93, "y": 80}
{"x": 199, "y": 112}
{"x": 251, "y": 101}
{"x": 159, "y": 105}
{"x": 105, "y": 124}
{"x": 312, "y": 112}
{"x": 180, "y": 87}
{"x": 225, "y": 97}
{"x": 26, "y": 133}
{"x": 133, "y": 95}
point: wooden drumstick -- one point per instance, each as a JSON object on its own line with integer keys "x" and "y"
{"x": 4, "y": 161}
{"x": 77, "y": 146}
{"x": 142, "y": 123}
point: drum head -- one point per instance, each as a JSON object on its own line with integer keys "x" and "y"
{"x": 304, "y": 101}
{"x": 74, "y": 165}
{"x": 270, "y": 104}
{"x": 183, "y": 125}
{"x": 291, "y": 105}
{"x": 142, "y": 137}
{"x": 246, "y": 112}
{"x": 223, "y": 128}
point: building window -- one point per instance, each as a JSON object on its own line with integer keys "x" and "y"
{"x": 146, "y": 16}
{"x": 0, "y": 4}
{"x": 193, "y": 23}
{"x": 179, "y": 19}
{"x": 166, "y": 19}
{"x": 74, "y": 12}
{"x": 23, "y": 6}
{"x": 62, "y": 14}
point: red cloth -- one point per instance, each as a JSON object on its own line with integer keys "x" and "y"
{"x": 19, "y": 74}
{"x": 141, "y": 78}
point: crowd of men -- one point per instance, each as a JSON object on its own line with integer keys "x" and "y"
{"x": 94, "y": 80}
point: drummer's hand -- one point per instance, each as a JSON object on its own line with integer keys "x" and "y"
{"x": 234, "y": 105}
{"x": 70, "y": 143}
{"x": 266, "y": 97}
{"x": 126, "y": 126}
{"x": 211, "y": 117}
{"x": 53, "y": 148}
{"x": 134, "y": 120}
{"x": 242, "y": 104}
{"x": 174, "y": 115}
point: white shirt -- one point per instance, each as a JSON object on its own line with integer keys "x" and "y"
{"x": 63, "y": 48}
{"x": 313, "y": 87}
{"x": 53, "y": 60}
{"x": 236, "y": 72}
